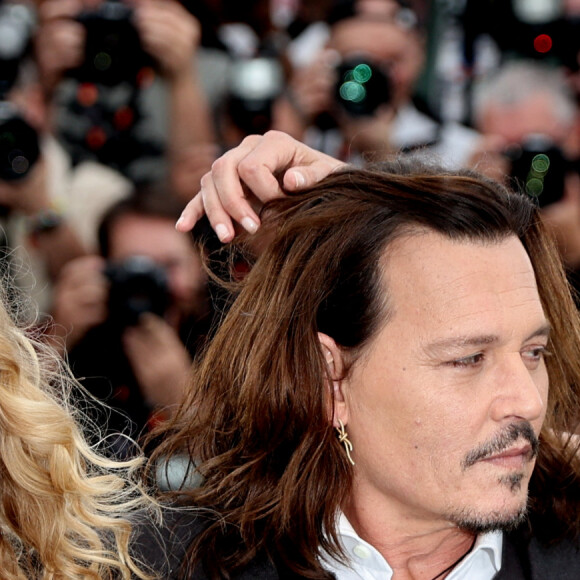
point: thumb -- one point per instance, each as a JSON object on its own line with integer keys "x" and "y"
{"x": 301, "y": 177}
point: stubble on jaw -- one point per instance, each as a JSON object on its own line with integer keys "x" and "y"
{"x": 477, "y": 523}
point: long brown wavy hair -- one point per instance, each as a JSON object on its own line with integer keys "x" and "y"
{"x": 257, "y": 423}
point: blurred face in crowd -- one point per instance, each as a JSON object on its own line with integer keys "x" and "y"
{"x": 384, "y": 8}
{"x": 515, "y": 121}
{"x": 444, "y": 406}
{"x": 157, "y": 238}
{"x": 398, "y": 50}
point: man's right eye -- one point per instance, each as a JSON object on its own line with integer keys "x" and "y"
{"x": 468, "y": 361}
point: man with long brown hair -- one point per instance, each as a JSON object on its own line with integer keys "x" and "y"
{"x": 393, "y": 390}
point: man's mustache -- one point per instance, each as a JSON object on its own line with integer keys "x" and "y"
{"x": 502, "y": 442}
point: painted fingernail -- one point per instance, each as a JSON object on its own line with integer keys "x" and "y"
{"x": 222, "y": 232}
{"x": 299, "y": 179}
{"x": 249, "y": 225}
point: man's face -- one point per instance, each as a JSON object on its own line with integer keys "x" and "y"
{"x": 513, "y": 122}
{"x": 444, "y": 406}
{"x": 156, "y": 238}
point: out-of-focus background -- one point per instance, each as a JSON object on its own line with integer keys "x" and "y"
{"x": 112, "y": 110}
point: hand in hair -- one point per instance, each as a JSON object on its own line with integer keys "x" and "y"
{"x": 261, "y": 168}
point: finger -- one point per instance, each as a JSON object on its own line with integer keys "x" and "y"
{"x": 306, "y": 176}
{"x": 58, "y": 9}
{"x": 191, "y": 214}
{"x": 224, "y": 192}
{"x": 280, "y": 154}
{"x": 151, "y": 323}
{"x": 218, "y": 217}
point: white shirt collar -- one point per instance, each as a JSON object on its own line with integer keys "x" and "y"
{"x": 366, "y": 563}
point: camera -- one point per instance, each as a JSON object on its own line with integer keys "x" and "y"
{"x": 539, "y": 168}
{"x": 253, "y": 86}
{"x": 19, "y": 146}
{"x": 113, "y": 51}
{"x": 539, "y": 29}
{"x": 138, "y": 285}
{"x": 362, "y": 87}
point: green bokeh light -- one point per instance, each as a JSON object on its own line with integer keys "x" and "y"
{"x": 534, "y": 186}
{"x": 352, "y": 91}
{"x": 541, "y": 163}
{"x": 102, "y": 61}
{"x": 362, "y": 73}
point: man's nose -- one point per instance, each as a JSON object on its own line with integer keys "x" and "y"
{"x": 520, "y": 393}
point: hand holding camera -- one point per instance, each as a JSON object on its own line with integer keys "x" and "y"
{"x": 169, "y": 33}
{"x": 59, "y": 41}
{"x": 159, "y": 360}
{"x": 90, "y": 292}
{"x": 114, "y": 40}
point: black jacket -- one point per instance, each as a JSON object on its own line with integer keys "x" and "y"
{"x": 164, "y": 550}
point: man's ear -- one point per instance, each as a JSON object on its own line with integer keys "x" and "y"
{"x": 336, "y": 383}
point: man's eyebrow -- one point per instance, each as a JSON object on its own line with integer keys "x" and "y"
{"x": 460, "y": 341}
{"x": 481, "y": 339}
{"x": 543, "y": 330}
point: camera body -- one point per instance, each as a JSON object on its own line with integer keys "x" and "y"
{"x": 19, "y": 144}
{"x": 362, "y": 87}
{"x": 113, "y": 50}
{"x": 539, "y": 29}
{"x": 254, "y": 84}
{"x": 138, "y": 285}
{"x": 539, "y": 168}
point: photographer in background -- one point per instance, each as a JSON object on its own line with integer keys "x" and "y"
{"x": 142, "y": 104}
{"x": 372, "y": 106}
{"x": 36, "y": 238}
{"x": 526, "y": 113}
{"x": 132, "y": 317}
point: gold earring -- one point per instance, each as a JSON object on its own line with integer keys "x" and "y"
{"x": 343, "y": 438}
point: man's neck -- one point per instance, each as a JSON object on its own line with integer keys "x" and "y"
{"x": 414, "y": 552}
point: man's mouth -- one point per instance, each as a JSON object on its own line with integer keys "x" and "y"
{"x": 514, "y": 446}
{"x": 514, "y": 457}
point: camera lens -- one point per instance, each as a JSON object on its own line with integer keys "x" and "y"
{"x": 539, "y": 168}
{"x": 19, "y": 147}
{"x": 362, "y": 87}
{"x": 138, "y": 285}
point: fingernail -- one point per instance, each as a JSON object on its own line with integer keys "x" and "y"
{"x": 179, "y": 222}
{"x": 299, "y": 179}
{"x": 249, "y": 225}
{"x": 222, "y": 232}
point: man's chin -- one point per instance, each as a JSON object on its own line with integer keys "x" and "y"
{"x": 480, "y": 522}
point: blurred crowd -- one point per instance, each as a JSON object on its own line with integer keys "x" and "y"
{"x": 112, "y": 110}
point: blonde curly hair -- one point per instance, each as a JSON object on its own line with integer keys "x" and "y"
{"x": 63, "y": 505}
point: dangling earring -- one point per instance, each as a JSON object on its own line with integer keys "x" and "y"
{"x": 343, "y": 438}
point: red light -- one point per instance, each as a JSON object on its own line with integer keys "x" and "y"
{"x": 96, "y": 138}
{"x": 145, "y": 77}
{"x": 123, "y": 118}
{"x": 87, "y": 94}
{"x": 543, "y": 43}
